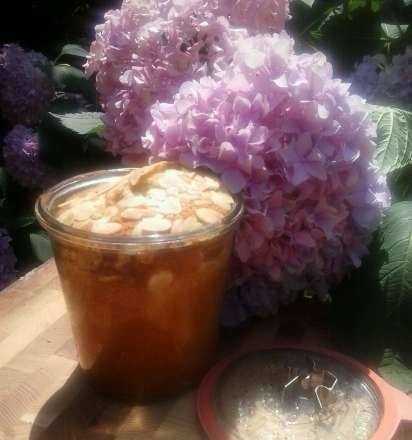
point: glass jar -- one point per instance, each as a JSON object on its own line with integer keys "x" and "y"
{"x": 144, "y": 310}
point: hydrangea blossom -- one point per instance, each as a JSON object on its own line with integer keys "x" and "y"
{"x": 21, "y": 155}
{"x": 25, "y": 86}
{"x": 256, "y": 16}
{"x": 385, "y": 81}
{"x": 7, "y": 259}
{"x": 280, "y": 130}
{"x": 146, "y": 50}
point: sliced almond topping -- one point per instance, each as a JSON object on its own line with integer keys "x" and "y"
{"x": 111, "y": 211}
{"x": 104, "y": 227}
{"x": 222, "y": 200}
{"x": 172, "y": 180}
{"x": 66, "y": 217}
{"x": 177, "y": 226}
{"x": 132, "y": 202}
{"x": 158, "y": 198}
{"x": 171, "y": 206}
{"x": 208, "y": 215}
{"x": 132, "y": 214}
{"x": 137, "y": 177}
{"x": 172, "y": 191}
{"x": 83, "y": 211}
{"x": 211, "y": 183}
{"x": 157, "y": 194}
{"x": 153, "y": 203}
{"x": 155, "y": 224}
{"x": 201, "y": 202}
{"x": 198, "y": 185}
{"x": 189, "y": 196}
{"x": 137, "y": 231}
{"x": 191, "y": 224}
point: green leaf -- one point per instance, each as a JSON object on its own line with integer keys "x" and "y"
{"x": 396, "y": 272}
{"x": 394, "y": 138}
{"x": 23, "y": 221}
{"x": 396, "y": 373}
{"x": 400, "y": 184}
{"x": 68, "y": 151}
{"x": 308, "y": 2}
{"x": 41, "y": 246}
{"x": 376, "y": 5}
{"x": 72, "y": 79}
{"x": 407, "y": 2}
{"x": 81, "y": 123}
{"x": 356, "y": 4}
{"x": 73, "y": 50}
{"x": 394, "y": 31}
{"x": 358, "y": 309}
{"x": 14, "y": 223}
{"x": 67, "y": 76}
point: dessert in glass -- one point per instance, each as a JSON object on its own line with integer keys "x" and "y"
{"x": 143, "y": 255}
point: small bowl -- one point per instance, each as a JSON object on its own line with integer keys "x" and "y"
{"x": 390, "y": 405}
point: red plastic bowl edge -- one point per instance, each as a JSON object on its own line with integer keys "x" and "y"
{"x": 396, "y": 405}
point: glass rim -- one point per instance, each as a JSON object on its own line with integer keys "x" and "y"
{"x": 55, "y": 228}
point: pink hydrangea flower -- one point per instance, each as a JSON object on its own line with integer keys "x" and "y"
{"x": 256, "y": 16}
{"x": 280, "y": 130}
{"x": 146, "y": 50}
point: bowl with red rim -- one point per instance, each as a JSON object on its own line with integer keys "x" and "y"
{"x": 291, "y": 392}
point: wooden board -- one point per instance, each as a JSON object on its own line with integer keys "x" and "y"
{"x": 43, "y": 395}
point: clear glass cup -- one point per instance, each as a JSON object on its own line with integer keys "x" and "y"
{"x": 144, "y": 310}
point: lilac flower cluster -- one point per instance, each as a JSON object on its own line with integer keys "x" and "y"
{"x": 21, "y": 156}
{"x": 146, "y": 50}
{"x": 25, "y": 85}
{"x": 384, "y": 81}
{"x": 278, "y": 128}
{"x": 7, "y": 259}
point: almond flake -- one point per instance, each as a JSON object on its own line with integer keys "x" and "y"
{"x": 222, "y": 200}
{"x": 208, "y": 215}
{"x": 191, "y": 224}
{"x": 83, "y": 211}
{"x": 155, "y": 224}
{"x": 132, "y": 202}
{"x": 171, "y": 206}
{"x": 132, "y": 214}
{"x": 178, "y": 226}
{"x": 103, "y": 227}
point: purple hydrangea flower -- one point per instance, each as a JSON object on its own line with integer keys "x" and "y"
{"x": 7, "y": 259}
{"x": 384, "y": 81}
{"x": 21, "y": 155}
{"x": 257, "y": 296}
{"x": 25, "y": 86}
{"x": 280, "y": 130}
{"x": 146, "y": 50}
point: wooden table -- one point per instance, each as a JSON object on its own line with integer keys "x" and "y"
{"x": 42, "y": 394}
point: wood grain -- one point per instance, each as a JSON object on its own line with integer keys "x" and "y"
{"x": 43, "y": 396}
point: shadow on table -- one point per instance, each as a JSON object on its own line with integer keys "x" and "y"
{"x": 70, "y": 413}
{"x": 76, "y": 412}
